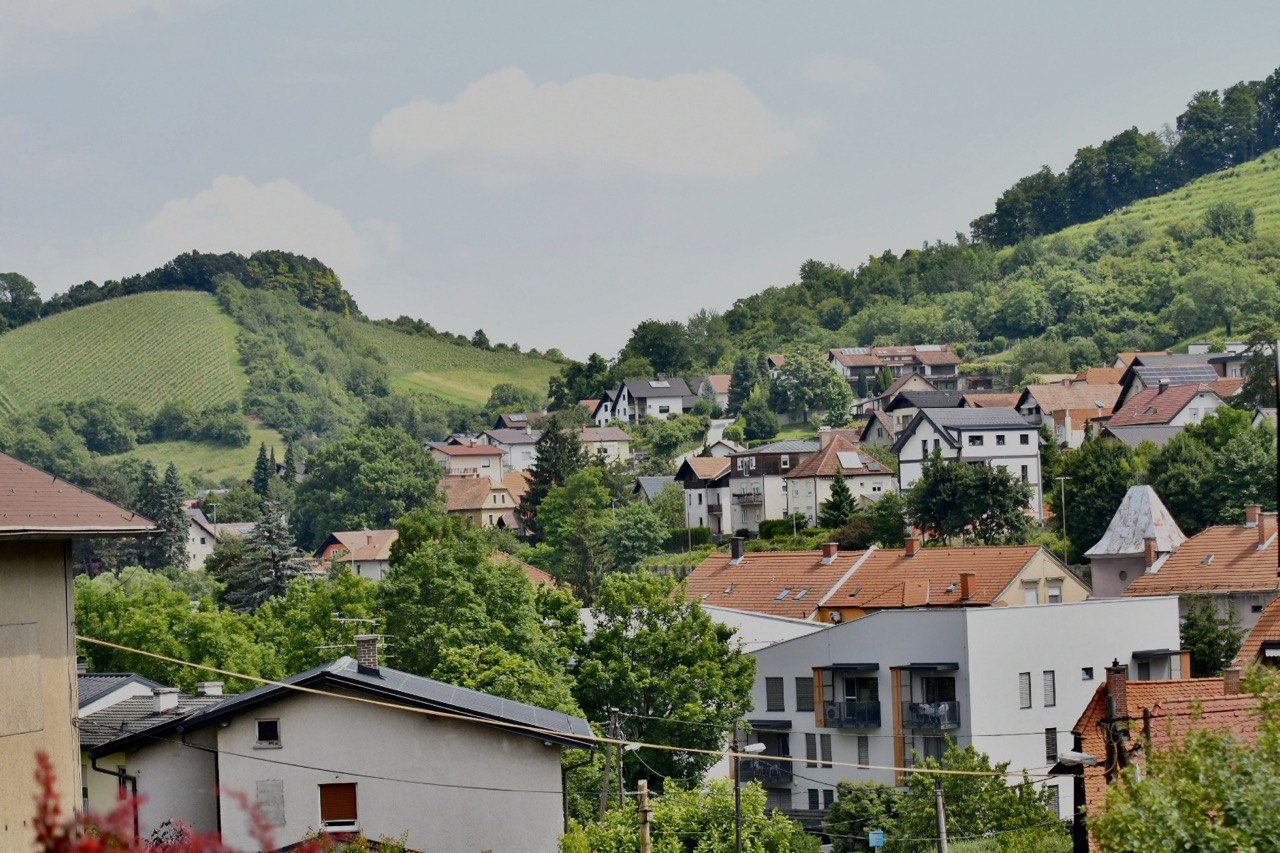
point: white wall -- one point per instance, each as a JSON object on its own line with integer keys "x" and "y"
{"x": 809, "y": 493}
{"x": 176, "y": 781}
{"x": 1011, "y": 456}
{"x": 200, "y": 544}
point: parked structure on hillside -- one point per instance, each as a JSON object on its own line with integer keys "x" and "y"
{"x": 1167, "y": 408}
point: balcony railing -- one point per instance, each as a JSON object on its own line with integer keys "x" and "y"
{"x": 765, "y": 772}
{"x": 749, "y": 496}
{"x": 851, "y": 714}
{"x": 930, "y": 715}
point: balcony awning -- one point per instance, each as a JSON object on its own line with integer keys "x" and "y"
{"x": 1149, "y": 654}
{"x": 931, "y": 667}
{"x": 770, "y": 724}
{"x": 861, "y": 667}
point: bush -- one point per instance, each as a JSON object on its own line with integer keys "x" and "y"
{"x": 854, "y": 535}
{"x": 772, "y": 528}
{"x": 682, "y": 537}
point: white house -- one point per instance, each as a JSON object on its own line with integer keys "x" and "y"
{"x": 470, "y": 460}
{"x": 896, "y": 685}
{"x": 651, "y": 398}
{"x": 999, "y": 437}
{"x": 809, "y": 483}
{"x": 609, "y": 443}
{"x": 705, "y": 480}
{"x": 366, "y": 552}
{"x": 203, "y": 534}
{"x": 455, "y": 769}
{"x": 519, "y": 446}
{"x": 602, "y": 412}
{"x": 757, "y": 484}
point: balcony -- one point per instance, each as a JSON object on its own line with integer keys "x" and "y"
{"x": 749, "y": 496}
{"x": 851, "y": 714}
{"x": 767, "y": 773}
{"x": 933, "y": 716}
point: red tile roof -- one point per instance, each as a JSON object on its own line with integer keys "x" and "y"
{"x": 467, "y": 449}
{"x": 463, "y": 493}
{"x": 1265, "y": 630}
{"x": 366, "y": 544}
{"x": 1077, "y": 395}
{"x": 1154, "y": 406}
{"x": 888, "y": 578}
{"x": 719, "y": 382}
{"x": 988, "y": 400}
{"x": 535, "y": 574}
{"x": 1217, "y": 559}
{"x": 36, "y": 504}
{"x": 708, "y": 467}
{"x": 516, "y": 483}
{"x": 1226, "y": 386}
{"x": 827, "y": 461}
{"x": 1101, "y": 375}
{"x": 756, "y": 583}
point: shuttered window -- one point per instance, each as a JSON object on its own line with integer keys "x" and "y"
{"x": 773, "y": 698}
{"x": 813, "y": 799}
{"x": 338, "y": 804}
{"x": 864, "y": 750}
{"x": 777, "y": 798}
{"x": 1024, "y": 690}
{"x": 1050, "y": 689}
{"x": 825, "y": 740}
{"x": 1050, "y": 744}
{"x": 828, "y": 797}
{"x": 1053, "y": 800}
{"x": 810, "y": 749}
{"x": 804, "y": 694}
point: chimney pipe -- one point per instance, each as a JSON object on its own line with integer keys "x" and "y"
{"x": 829, "y": 551}
{"x": 164, "y": 699}
{"x": 1149, "y": 552}
{"x": 1117, "y": 687}
{"x": 1164, "y": 386}
{"x": 968, "y": 580}
{"x": 1251, "y": 513}
{"x": 367, "y": 653}
{"x": 912, "y": 545}
{"x": 1231, "y": 681}
{"x": 736, "y": 550}
{"x": 208, "y": 688}
{"x": 82, "y": 667}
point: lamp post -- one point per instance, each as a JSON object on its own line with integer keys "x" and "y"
{"x": 1062, "y": 484}
{"x": 752, "y": 749}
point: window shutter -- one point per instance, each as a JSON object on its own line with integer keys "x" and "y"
{"x": 1050, "y": 744}
{"x": 864, "y": 750}
{"x": 1024, "y": 690}
{"x": 1050, "y": 689}
{"x": 338, "y": 803}
{"x": 1053, "y": 800}
{"x": 810, "y": 749}
{"x": 804, "y": 694}
{"x": 825, "y": 740}
{"x": 773, "y": 698}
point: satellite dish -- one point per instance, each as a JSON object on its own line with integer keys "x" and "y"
{"x": 835, "y": 616}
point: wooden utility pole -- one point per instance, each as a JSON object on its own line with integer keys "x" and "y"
{"x": 940, "y": 812}
{"x": 642, "y": 787}
{"x": 604, "y": 775}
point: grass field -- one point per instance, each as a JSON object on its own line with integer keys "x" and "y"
{"x": 798, "y": 430}
{"x": 206, "y": 462}
{"x": 144, "y": 349}
{"x": 454, "y": 373}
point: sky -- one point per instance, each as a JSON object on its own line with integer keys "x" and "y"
{"x": 554, "y": 173}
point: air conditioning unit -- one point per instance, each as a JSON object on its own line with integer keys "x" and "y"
{"x": 830, "y": 713}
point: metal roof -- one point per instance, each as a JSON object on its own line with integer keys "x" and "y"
{"x": 1134, "y": 435}
{"x": 787, "y": 445}
{"x": 92, "y": 686}
{"x": 1141, "y": 514}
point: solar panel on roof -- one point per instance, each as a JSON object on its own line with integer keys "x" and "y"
{"x": 659, "y": 383}
{"x": 849, "y": 459}
{"x": 517, "y": 418}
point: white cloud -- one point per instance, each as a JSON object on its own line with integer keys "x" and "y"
{"x": 705, "y": 123}
{"x": 855, "y": 73}
{"x": 234, "y": 215}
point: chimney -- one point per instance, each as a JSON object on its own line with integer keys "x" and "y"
{"x": 968, "y": 580}
{"x": 1231, "y": 681}
{"x": 662, "y": 377}
{"x": 367, "y": 653}
{"x": 736, "y": 550}
{"x": 208, "y": 688}
{"x": 913, "y": 544}
{"x": 164, "y": 699}
{"x": 1164, "y": 386}
{"x": 1251, "y": 513}
{"x": 1117, "y": 687}
{"x": 82, "y": 667}
{"x": 829, "y": 551}
{"x": 824, "y": 436}
{"x": 1149, "y": 552}
{"x": 1264, "y": 527}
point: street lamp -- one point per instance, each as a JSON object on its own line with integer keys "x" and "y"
{"x": 1062, "y": 483}
{"x": 750, "y": 749}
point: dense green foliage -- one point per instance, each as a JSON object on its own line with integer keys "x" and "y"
{"x": 838, "y": 509}
{"x": 1211, "y": 638}
{"x": 559, "y": 454}
{"x": 1100, "y": 472}
{"x": 860, "y": 807}
{"x": 979, "y": 502}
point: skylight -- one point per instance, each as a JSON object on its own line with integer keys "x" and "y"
{"x": 785, "y": 592}
{"x": 800, "y": 594}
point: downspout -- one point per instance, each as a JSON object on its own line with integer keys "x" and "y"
{"x": 120, "y": 777}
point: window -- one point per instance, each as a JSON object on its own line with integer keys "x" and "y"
{"x": 813, "y": 799}
{"x": 938, "y": 688}
{"x": 268, "y": 733}
{"x": 699, "y": 498}
{"x": 1050, "y": 688}
{"x": 773, "y": 700}
{"x": 828, "y": 797}
{"x": 804, "y": 694}
{"x": 1086, "y": 673}
{"x": 864, "y": 750}
{"x": 825, "y": 742}
{"x": 1024, "y": 690}
{"x": 786, "y": 462}
{"x": 1053, "y": 799}
{"x": 935, "y": 747}
{"x": 1055, "y": 593}
{"x": 338, "y": 806}
{"x": 810, "y": 749}
{"x": 201, "y": 540}
{"x": 1144, "y": 670}
{"x": 785, "y": 592}
{"x": 1025, "y": 476}
{"x": 777, "y": 798}
{"x": 924, "y": 447}
{"x": 485, "y": 463}
{"x": 1050, "y": 744}
{"x": 1030, "y": 594}
{"x": 1024, "y": 439}
{"x": 1000, "y": 440}
{"x": 975, "y": 441}
{"x": 662, "y": 410}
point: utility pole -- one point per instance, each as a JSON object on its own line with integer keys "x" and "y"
{"x": 608, "y": 763}
{"x": 642, "y": 788}
{"x": 940, "y": 812}
{"x": 1062, "y": 483}
{"x": 621, "y": 750}
{"x": 737, "y": 793}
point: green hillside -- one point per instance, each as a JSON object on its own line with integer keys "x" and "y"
{"x": 207, "y": 462}
{"x": 144, "y": 349}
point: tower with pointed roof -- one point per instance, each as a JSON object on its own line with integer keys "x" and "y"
{"x": 1142, "y": 534}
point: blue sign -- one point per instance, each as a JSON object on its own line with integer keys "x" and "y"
{"x": 875, "y": 838}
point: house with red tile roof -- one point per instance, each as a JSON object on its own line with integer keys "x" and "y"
{"x": 714, "y": 387}
{"x": 878, "y": 431}
{"x": 705, "y": 480}
{"x": 1101, "y": 375}
{"x": 1067, "y": 408}
{"x": 935, "y": 362}
{"x": 810, "y": 482}
{"x": 366, "y": 552}
{"x": 40, "y": 515}
{"x": 484, "y": 502}
{"x": 1236, "y": 565}
{"x": 470, "y": 460}
{"x": 1166, "y": 405}
{"x": 777, "y": 583}
{"x": 1262, "y": 643}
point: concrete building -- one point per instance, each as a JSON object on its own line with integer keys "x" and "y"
{"x": 757, "y": 484}
{"x": 39, "y": 516}
{"x": 1141, "y": 535}
{"x": 518, "y": 446}
{"x": 935, "y": 362}
{"x": 203, "y": 535}
{"x": 470, "y": 460}
{"x": 485, "y": 502}
{"x": 658, "y": 399}
{"x": 607, "y": 443}
{"x": 896, "y": 686}
{"x": 485, "y": 777}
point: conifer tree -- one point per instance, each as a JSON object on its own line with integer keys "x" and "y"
{"x": 269, "y": 563}
{"x": 290, "y": 466}
{"x": 263, "y": 471}
{"x": 559, "y": 455}
{"x": 741, "y": 381}
{"x": 172, "y": 521}
{"x": 862, "y": 386}
{"x": 884, "y": 378}
{"x": 840, "y": 507}
{"x": 148, "y": 502}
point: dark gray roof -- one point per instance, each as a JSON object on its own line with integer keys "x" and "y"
{"x": 1135, "y": 435}
{"x": 92, "y": 686}
{"x": 651, "y": 486}
{"x": 787, "y": 445}
{"x": 133, "y": 715}
{"x": 394, "y": 686}
{"x": 1171, "y": 360}
{"x": 964, "y": 420}
{"x": 513, "y": 436}
{"x": 926, "y": 400}
{"x": 643, "y": 388}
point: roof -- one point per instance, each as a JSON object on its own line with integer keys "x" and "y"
{"x": 991, "y": 399}
{"x": 363, "y": 544}
{"x": 589, "y": 404}
{"x": 1141, "y": 514}
{"x": 875, "y": 356}
{"x": 1135, "y": 435}
{"x": 878, "y": 418}
{"x": 513, "y": 436}
{"x": 1126, "y": 358}
{"x": 787, "y": 445}
{"x": 1174, "y": 374}
{"x": 897, "y": 386}
{"x": 1077, "y": 395}
{"x": 776, "y": 359}
{"x": 706, "y": 467}
{"x": 92, "y": 686}
{"x": 36, "y": 504}
{"x": 1217, "y": 559}
{"x": 517, "y": 420}
{"x": 757, "y": 582}
{"x": 516, "y": 483}
{"x": 1227, "y": 386}
{"x": 719, "y": 382}
{"x": 588, "y": 435}
{"x": 135, "y": 714}
{"x": 651, "y": 486}
{"x": 1156, "y": 406}
{"x": 964, "y": 420}
{"x": 388, "y": 685}
{"x": 536, "y": 575}
{"x": 1101, "y": 375}
{"x": 888, "y": 578}
{"x": 642, "y": 388}
{"x": 840, "y": 455}
{"x": 926, "y": 400}
{"x": 467, "y": 449}
{"x": 462, "y": 493}
{"x": 1265, "y": 630}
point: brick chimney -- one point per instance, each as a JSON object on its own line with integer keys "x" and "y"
{"x": 1231, "y": 681}
{"x": 367, "y": 653}
{"x": 912, "y": 545}
{"x": 1117, "y": 687}
{"x": 968, "y": 582}
{"x": 208, "y": 688}
{"x": 829, "y": 551}
{"x": 1266, "y": 526}
{"x": 824, "y": 436}
{"x": 1149, "y": 552}
{"x": 1251, "y": 514}
{"x": 736, "y": 549}
{"x": 164, "y": 699}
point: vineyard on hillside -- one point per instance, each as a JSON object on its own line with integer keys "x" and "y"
{"x": 144, "y": 349}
